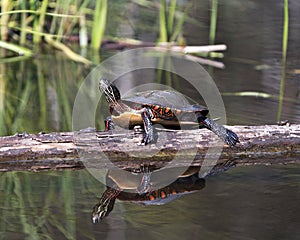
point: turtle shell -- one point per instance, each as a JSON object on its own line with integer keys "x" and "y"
{"x": 187, "y": 183}
{"x": 123, "y": 179}
{"x": 165, "y": 99}
{"x": 129, "y": 181}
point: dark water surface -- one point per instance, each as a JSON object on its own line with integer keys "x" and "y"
{"x": 260, "y": 202}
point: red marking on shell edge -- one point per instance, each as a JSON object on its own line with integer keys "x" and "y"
{"x": 151, "y": 198}
{"x": 156, "y": 107}
{"x": 163, "y": 194}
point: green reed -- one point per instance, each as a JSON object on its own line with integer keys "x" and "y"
{"x": 25, "y": 94}
{"x": 64, "y": 6}
{"x": 65, "y": 110}
{"x": 23, "y": 24}
{"x": 283, "y": 60}
{"x": 42, "y": 94}
{"x": 213, "y": 22}
{"x": 162, "y": 21}
{"x": 31, "y": 207}
{"x": 51, "y": 19}
{"x": 99, "y": 23}
{"x": 3, "y": 83}
{"x": 171, "y": 21}
{"x": 6, "y": 5}
{"x": 35, "y": 97}
{"x": 40, "y": 21}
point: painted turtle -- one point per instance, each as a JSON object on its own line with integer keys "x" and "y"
{"x": 121, "y": 183}
{"x": 156, "y": 106}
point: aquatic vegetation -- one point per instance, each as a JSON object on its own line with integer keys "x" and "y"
{"x": 213, "y": 22}
{"x": 171, "y": 21}
{"x": 24, "y": 22}
{"x": 29, "y": 23}
{"x": 37, "y": 95}
{"x": 283, "y": 60}
{"x": 99, "y": 23}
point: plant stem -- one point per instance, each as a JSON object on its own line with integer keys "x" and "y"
{"x": 213, "y": 22}
{"x": 15, "y": 48}
{"x": 283, "y": 61}
{"x": 64, "y": 6}
{"x": 171, "y": 17}
{"x": 99, "y": 23}
{"x": 162, "y": 22}
{"x": 23, "y": 23}
{"x": 5, "y": 6}
{"x": 177, "y": 30}
{"x": 3, "y": 80}
{"x": 39, "y": 23}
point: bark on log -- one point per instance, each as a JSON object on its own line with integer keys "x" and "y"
{"x": 258, "y": 145}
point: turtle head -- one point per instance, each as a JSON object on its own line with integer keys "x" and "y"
{"x": 102, "y": 209}
{"x": 111, "y": 92}
{"x": 105, "y": 205}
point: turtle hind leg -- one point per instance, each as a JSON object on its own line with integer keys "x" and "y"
{"x": 109, "y": 124}
{"x": 228, "y": 136}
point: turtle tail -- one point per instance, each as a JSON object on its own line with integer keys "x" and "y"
{"x": 228, "y": 136}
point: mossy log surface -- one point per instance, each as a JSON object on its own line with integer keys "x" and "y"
{"x": 267, "y": 144}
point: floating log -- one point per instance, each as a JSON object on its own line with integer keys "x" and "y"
{"x": 258, "y": 145}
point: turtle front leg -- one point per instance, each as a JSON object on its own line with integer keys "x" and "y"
{"x": 148, "y": 127}
{"x": 145, "y": 185}
{"x": 228, "y": 136}
{"x": 109, "y": 124}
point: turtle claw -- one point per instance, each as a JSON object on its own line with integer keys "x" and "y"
{"x": 147, "y": 138}
{"x": 109, "y": 124}
{"x": 231, "y": 138}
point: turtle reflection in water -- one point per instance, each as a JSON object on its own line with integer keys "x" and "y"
{"x": 168, "y": 108}
{"x": 124, "y": 188}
